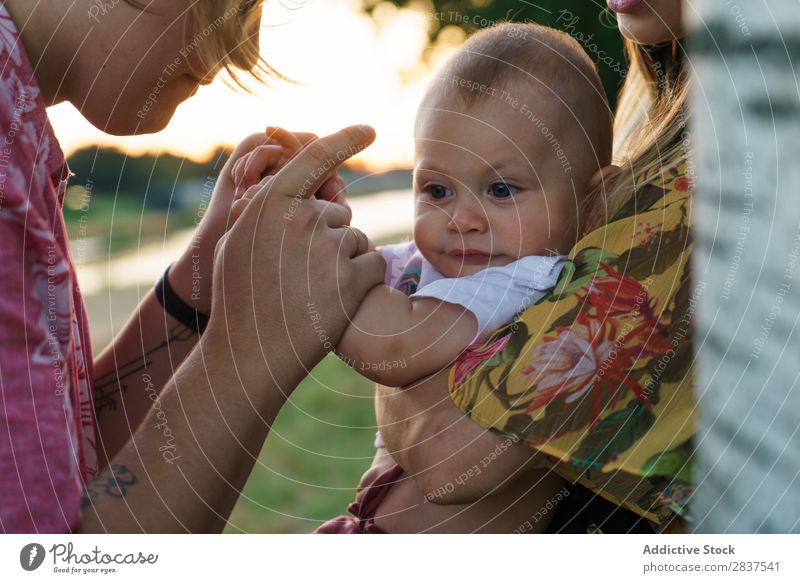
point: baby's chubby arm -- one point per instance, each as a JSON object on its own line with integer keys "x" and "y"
{"x": 395, "y": 341}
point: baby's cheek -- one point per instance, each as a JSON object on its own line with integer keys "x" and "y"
{"x": 540, "y": 235}
{"x": 425, "y": 225}
{"x": 518, "y": 235}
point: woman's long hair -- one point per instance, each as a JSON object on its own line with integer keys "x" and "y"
{"x": 650, "y": 124}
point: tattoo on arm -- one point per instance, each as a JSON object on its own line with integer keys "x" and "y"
{"x": 108, "y": 386}
{"x": 113, "y": 481}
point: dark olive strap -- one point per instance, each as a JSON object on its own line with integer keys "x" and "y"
{"x": 177, "y": 308}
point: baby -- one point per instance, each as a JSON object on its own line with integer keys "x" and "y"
{"x": 513, "y": 144}
{"x": 513, "y": 141}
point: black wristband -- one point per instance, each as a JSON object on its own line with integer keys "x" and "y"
{"x": 177, "y": 308}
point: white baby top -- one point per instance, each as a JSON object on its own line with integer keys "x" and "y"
{"x": 495, "y": 295}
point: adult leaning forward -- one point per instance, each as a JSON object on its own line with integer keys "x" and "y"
{"x": 596, "y": 378}
{"x": 159, "y": 449}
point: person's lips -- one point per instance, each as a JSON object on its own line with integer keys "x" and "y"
{"x": 624, "y": 6}
{"x": 470, "y": 255}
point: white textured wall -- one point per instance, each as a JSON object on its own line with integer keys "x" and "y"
{"x": 746, "y": 133}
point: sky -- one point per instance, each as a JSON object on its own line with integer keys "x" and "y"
{"x": 351, "y": 69}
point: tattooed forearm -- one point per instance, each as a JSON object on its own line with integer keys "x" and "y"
{"x": 114, "y": 481}
{"x": 110, "y": 385}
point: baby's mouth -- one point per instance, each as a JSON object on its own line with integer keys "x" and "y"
{"x": 470, "y": 256}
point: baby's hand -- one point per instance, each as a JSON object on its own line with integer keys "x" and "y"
{"x": 267, "y": 160}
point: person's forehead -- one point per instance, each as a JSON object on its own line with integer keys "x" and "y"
{"x": 488, "y": 127}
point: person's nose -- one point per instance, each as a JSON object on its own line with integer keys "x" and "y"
{"x": 467, "y": 216}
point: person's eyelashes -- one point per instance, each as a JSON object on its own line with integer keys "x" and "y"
{"x": 437, "y": 191}
{"x": 502, "y": 190}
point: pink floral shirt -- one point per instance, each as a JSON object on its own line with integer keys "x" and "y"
{"x": 47, "y": 430}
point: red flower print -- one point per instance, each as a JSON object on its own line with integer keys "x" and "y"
{"x": 472, "y": 358}
{"x": 588, "y": 363}
{"x": 682, "y": 184}
{"x": 615, "y": 294}
{"x": 644, "y": 233}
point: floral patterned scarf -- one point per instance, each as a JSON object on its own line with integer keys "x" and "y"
{"x": 598, "y": 374}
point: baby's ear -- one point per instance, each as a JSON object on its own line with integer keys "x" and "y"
{"x": 595, "y": 209}
{"x": 602, "y": 180}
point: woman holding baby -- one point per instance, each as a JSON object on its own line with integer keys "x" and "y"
{"x": 591, "y": 384}
{"x": 128, "y": 461}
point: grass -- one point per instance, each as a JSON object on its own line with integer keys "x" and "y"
{"x": 315, "y": 454}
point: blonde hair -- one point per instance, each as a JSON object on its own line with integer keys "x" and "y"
{"x": 650, "y": 125}
{"x": 225, "y": 34}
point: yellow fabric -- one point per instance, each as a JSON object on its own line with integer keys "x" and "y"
{"x": 597, "y": 375}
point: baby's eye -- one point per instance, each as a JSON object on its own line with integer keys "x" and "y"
{"x": 502, "y": 190}
{"x": 438, "y": 191}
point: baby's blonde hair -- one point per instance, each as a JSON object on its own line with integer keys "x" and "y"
{"x": 225, "y": 34}
{"x": 549, "y": 62}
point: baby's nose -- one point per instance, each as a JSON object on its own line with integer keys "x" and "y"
{"x": 468, "y": 217}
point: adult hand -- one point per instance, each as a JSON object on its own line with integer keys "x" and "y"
{"x": 191, "y": 275}
{"x": 290, "y": 273}
{"x": 258, "y": 155}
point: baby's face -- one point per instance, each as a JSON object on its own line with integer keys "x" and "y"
{"x": 490, "y": 185}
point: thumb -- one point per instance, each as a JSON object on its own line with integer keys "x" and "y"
{"x": 237, "y": 208}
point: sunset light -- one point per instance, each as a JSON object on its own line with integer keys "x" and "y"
{"x": 350, "y": 68}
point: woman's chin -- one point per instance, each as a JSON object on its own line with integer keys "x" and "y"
{"x": 133, "y": 123}
{"x": 648, "y": 30}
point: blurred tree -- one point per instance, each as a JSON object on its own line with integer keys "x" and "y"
{"x": 149, "y": 179}
{"x": 587, "y": 21}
